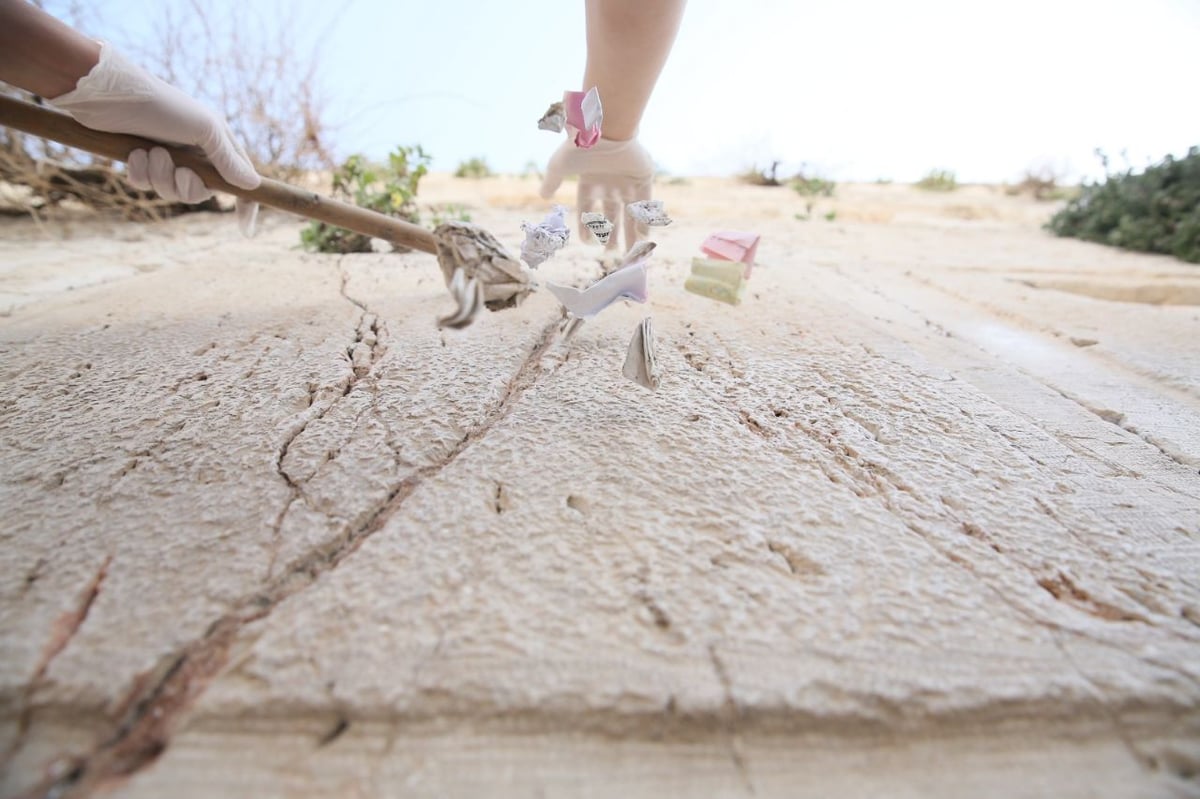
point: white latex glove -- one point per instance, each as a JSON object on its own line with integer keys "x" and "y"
{"x": 120, "y": 97}
{"x": 612, "y": 174}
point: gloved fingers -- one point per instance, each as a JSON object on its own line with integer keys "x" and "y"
{"x": 137, "y": 170}
{"x": 191, "y": 189}
{"x": 230, "y": 158}
{"x": 554, "y": 173}
{"x": 161, "y": 174}
{"x": 613, "y": 209}
{"x": 247, "y": 217}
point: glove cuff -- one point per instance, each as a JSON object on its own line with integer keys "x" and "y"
{"x": 114, "y": 77}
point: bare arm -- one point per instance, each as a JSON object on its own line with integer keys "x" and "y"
{"x": 40, "y": 54}
{"x": 628, "y": 42}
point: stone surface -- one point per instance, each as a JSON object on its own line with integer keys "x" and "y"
{"x": 887, "y": 528}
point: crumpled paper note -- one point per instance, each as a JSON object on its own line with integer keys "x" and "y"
{"x": 718, "y": 280}
{"x": 585, "y": 115}
{"x": 555, "y": 118}
{"x": 468, "y": 294}
{"x": 732, "y": 245}
{"x": 640, "y": 364}
{"x": 628, "y": 282}
{"x": 649, "y": 212}
{"x": 546, "y": 237}
{"x": 600, "y": 227}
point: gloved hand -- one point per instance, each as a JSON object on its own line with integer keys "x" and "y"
{"x": 611, "y": 174}
{"x": 120, "y": 97}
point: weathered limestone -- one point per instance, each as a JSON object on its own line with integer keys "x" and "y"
{"x": 887, "y": 528}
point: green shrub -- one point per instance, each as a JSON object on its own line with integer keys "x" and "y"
{"x": 388, "y": 188}
{"x": 813, "y": 186}
{"x": 473, "y": 168}
{"x": 448, "y": 212}
{"x": 1157, "y": 210}
{"x": 938, "y": 180}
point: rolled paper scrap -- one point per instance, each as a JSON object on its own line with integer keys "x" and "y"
{"x": 732, "y": 245}
{"x": 585, "y": 115}
{"x": 713, "y": 289}
{"x": 649, "y": 212}
{"x": 640, "y": 251}
{"x": 555, "y": 118}
{"x": 640, "y": 364}
{"x": 725, "y": 271}
{"x": 600, "y": 227}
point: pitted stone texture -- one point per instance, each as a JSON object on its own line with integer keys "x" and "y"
{"x": 847, "y": 525}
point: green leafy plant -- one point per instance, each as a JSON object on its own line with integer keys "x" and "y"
{"x": 389, "y": 188}
{"x": 812, "y": 185}
{"x": 473, "y": 168}
{"x": 938, "y": 180}
{"x": 448, "y": 212}
{"x": 1157, "y": 210}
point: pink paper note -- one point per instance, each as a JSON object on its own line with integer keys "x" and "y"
{"x": 732, "y": 245}
{"x": 584, "y": 115}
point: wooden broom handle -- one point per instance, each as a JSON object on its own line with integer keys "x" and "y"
{"x": 47, "y": 124}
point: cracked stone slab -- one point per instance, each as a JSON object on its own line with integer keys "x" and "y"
{"x": 394, "y": 559}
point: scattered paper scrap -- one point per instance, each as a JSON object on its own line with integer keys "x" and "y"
{"x": 640, "y": 365}
{"x": 585, "y": 115}
{"x": 546, "y": 237}
{"x": 638, "y": 252}
{"x": 555, "y": 118}
{"x": 718, "y": 280}
{"x": 610, "y": 263}
{"x": 601, "y": 228}
{"x": 649, "y": 212}
{"x": 628, "y": 282}
{"x": 732, "y": 245}
{"x": 468, "y": 294}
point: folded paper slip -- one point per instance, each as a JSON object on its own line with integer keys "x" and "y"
{"x": 628, "y": 283}
{"x": 640, "y": 364}
{"x": 714, "y": 289}
{"x": 732, "y": 245}
{"x": 585, "y": 115}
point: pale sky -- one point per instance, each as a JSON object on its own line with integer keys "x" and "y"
{"x": 856, "y": 89}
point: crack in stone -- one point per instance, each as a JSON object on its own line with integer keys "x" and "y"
{"x": 62, "y": 632}
{"x": 364, "y": 353}
{"x": 731, "y": 712}
{"x": 1117, "y": 419}
{"x": 1142, "y": 759}
{"x": 154, "y": 706}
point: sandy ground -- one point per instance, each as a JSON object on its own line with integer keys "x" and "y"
{"x": 919, "y": 518}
